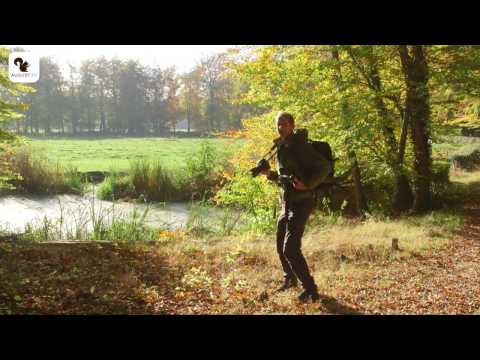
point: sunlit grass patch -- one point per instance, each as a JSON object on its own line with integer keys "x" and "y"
{"x": 465, "y": 177}
{"x": 413, "y": 233}
{"x": 103, "y": 154}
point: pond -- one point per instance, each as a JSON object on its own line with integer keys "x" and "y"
{"x": 16, "y": 211}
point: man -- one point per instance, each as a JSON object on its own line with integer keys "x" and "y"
{"x": 309, "y": 168}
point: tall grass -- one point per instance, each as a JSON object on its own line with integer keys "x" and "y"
{"x": 114, "y": 187}
{"x": 41, "y": 177}
{"x": 92, "y": 223}
{"x": 146, "y": 181}
{"x": 152, "y": 181}
{"x": 208, "y": 220}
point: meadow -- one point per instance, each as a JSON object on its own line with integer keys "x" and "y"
{"x": 118, "y": 153}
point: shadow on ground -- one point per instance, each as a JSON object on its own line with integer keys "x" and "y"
{"x": 85, "y": 279}
{"x": 333, "y": 306}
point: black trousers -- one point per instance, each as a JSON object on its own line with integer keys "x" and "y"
{"x": 290, "y": 228}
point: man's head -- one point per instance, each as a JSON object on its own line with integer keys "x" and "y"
{"x": 285, "y": 124}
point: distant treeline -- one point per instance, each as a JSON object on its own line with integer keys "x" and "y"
{"x": 110, "y": 96}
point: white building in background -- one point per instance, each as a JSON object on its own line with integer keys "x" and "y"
{"x": 182, "y": 125}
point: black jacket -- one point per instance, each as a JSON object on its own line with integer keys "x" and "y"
{"x": 296, "y": 157}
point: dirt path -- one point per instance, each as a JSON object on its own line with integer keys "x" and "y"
{"x": 444, "y": 282}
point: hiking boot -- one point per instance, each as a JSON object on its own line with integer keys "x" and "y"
{"x": 309, "y": 294}
{"x": 288, "y": 283}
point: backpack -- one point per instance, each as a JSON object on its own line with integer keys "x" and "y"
{"x": 321, "y": 147}
{"x": 325, "y": 150}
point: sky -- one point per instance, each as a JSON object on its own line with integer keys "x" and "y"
{"x": 184, "y": 57}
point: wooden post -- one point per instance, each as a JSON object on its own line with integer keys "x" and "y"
{"x": 395, "y": 244}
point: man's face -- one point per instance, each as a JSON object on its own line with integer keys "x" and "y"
{"x": 284, "y": 127}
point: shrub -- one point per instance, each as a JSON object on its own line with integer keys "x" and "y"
{"x": 255, "y": 196}
{"x": 203, "y": 171}
{"x": 469, "y": 161}
{"x": 115, "y": 187}
{"x": 440, "y": 177}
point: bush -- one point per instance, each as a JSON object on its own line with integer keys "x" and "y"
{"x": 440, "y": 176}
{"x": 203, "y": 171}
{"x": 74, "y": 182}
{"x": 115, "y": 187}
{"x": 255, "y": 196}
{"x": 469, "y": 161}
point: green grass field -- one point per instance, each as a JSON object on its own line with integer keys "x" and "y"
{"x": 105, "y": 154}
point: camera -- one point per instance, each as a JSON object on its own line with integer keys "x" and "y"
{"x": 286, "y": 179}
{"x": 262, "y": 165}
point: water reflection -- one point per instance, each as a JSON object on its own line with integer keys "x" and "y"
{"x": 73, "y": 210}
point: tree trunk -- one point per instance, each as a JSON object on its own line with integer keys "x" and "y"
{"x": 402, "y": 199}
{"x": 103, "y": 126}
{"x": 403, "y": 140}
{"x": 402, "y": 196}
{"x": 102, "y": 121}
{"x": 361, "y": 201}
{"x": 47, "y": 128}
{"x": 417, "y": 111}
{"x": 89, "y": 120}
{"x": 74, "y": 122}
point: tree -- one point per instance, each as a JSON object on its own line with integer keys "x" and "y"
{"x": 366, "y": 61}
{"x": 115, "y": 67}
{"x": 156, "y": 94}
{"x": 361, "y": 111}
{"x": 101, "y": 73}
{"x": 47, "y": 104}
{"x": 111, "y": 95}
{"x": 132, "y": 83}
{"x": 345, "y": 113}
{"x": 191, "y": 99}
{"x": 171, "y": 109}
{"x": 73, "y": 101}
{"x": 454, "y": 83}
{"x": 417, "y": 113}
{"x": 213, "y": 68}
{"x": 87, "y": 95}
{"x": 10, "y": 109}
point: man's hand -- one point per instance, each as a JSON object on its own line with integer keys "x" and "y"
{"x": 298, "y": 185}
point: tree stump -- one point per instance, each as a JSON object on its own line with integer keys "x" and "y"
{"x": 395, "y": 244}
